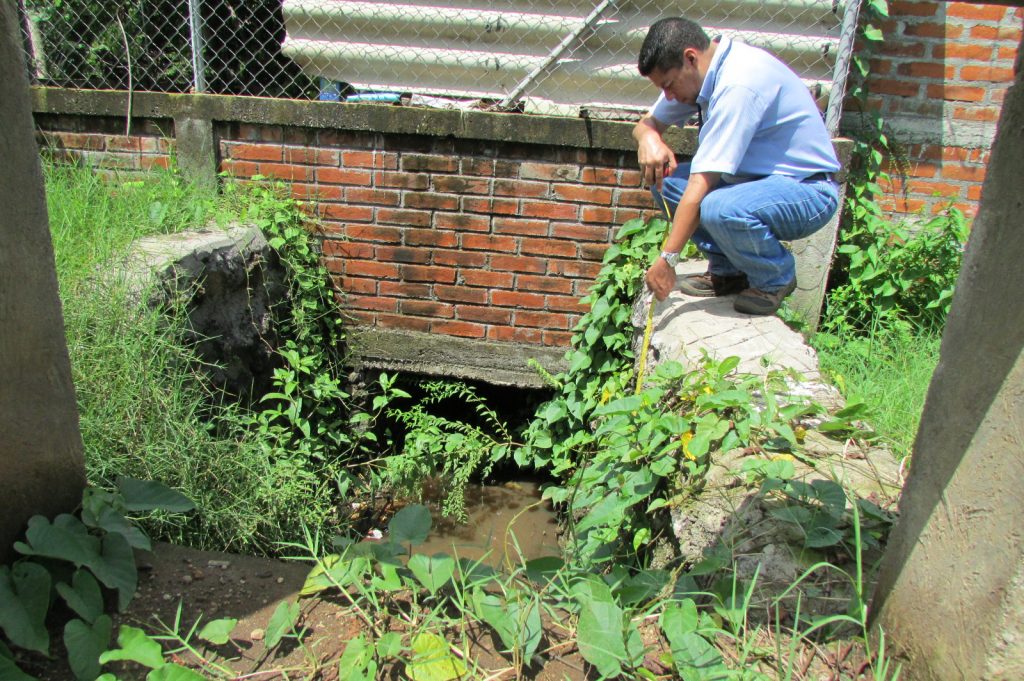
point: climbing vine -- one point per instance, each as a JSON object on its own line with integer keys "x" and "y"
{"x": 620, "y": 452}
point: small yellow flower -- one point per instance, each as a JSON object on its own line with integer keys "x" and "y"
{"x": 606, "y": 395}
{"x": 783, "y": 457}
{"x": 684, "y": 443}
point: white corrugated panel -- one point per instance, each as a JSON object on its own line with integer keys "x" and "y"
{"x": 560, "y": 55}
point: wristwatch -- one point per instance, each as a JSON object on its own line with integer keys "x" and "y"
{"x": 671, "y": 258}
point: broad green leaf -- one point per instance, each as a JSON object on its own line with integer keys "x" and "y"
{"x": 94, "y": 500}
{"x": 411, "y": 525}
{"x": 780, "y": 469}
{"x": 83, "y": 595}
{"x": 356, "y": 661}
{"x": 678, "y": 619}
{"x": 695, "y": 658}
{"x": 820, "y": 537}
{"x": 433, "y": 572}
{"x": 798, "y": 515}
{"x": 516, "y": 620}
{"x": 111, "y": 520}
{"x": 24, "y": 601}
{"x": 852, "y": 411}
{"x": 592, "y": 588}
{"x": 543, "y": 570}
{"x": 11, "y": 672}
{"x": 580, "y": 361}
{"x": 525, "y": 610}
{"x": 432, "y": 660}
{"x": 606, "y": 513}
{"x": 334, "y": 571}
{"x": 388, "y": 580}
{"x": 600, "y": 636}
{"x": 174, "y": 672}
{"x": 623, "y": 405}
{"x": 218, "y": 632}
{"x": 389, "y": 645}
{"x": 84, "y": 644}
{"x": 150, "y": 495}
{"x": 281, "y": 622}
{"x": 728, "y": 364}
{"x": 382, "y": 551}
{"x": 64, "y": 540}
{"x": 491, "y": 609}
{"x": 831, "y": 494}
{"x": 630, "y": 227}
{"x": 136, "y": 646}
{"x": 641, "y": 537}
{"x": 643, "y": 586}
{"x": 872, "y": 33}
{"x": 115, "y": 568}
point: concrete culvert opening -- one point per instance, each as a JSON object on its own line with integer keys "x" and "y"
{"x": 449, "y": 444}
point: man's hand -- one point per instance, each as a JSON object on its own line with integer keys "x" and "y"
{"x": 661, "y": 279}
{"x": 655, "y": 157}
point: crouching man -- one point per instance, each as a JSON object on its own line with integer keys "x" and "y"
{"x": 762, "y": 172}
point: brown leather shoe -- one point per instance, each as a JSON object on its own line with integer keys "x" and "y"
{"x": 758, "y": 302}
{"x": 708, "y": 285}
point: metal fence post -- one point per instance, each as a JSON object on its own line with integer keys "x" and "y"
{"x": 848, "y": 35}
{"x": 195, "y": 22}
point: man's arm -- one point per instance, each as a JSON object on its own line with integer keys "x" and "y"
{"x": 656, "y": 158}
{"x": 661, "y": 278}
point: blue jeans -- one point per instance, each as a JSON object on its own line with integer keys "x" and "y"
{"x": 741, "y": 225}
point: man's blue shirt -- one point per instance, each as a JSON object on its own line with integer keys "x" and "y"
{"x": 759, "y": 118}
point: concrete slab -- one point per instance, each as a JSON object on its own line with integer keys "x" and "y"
{"x": 685, "y": 327}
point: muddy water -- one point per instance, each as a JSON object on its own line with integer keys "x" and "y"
{"x": 509, "y": 519}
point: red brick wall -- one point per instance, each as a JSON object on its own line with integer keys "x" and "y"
{"x": 474, "y": 239}
{"x": 470, "y": 239}
{"x": 939, "y": 80}
{"x": 102, "y": 142}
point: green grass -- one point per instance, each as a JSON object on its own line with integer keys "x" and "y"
{"x": 92, "y": 219}
{"x": 145, "y": 407}
{"x": 890, "y": 372}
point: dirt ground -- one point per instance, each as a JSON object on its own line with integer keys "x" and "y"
{"x": 211, "y": 585}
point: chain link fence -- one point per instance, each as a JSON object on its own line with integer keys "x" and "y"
{"x": 552, "y": 56}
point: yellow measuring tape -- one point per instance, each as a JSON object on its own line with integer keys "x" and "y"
{"x": 649, "y": 328}
{"x": 645, "y": 347}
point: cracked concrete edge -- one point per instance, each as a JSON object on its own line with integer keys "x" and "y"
{"x": 447, "y": 356}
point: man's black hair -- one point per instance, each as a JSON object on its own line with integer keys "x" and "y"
{"x": 666, "y": 39}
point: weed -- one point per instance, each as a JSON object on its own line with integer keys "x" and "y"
{"x": 453, "y": 450}
{"x": 897, "y": 278}
{"x": 70, "y": 557}
{"x": 889, "y": 372}
{"x": 146, "y": 409}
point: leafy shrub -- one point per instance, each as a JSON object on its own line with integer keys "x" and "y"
{"x": 146, "y": 408}
{"x": 896, "y": 275}
{"x": 455, "y": 450}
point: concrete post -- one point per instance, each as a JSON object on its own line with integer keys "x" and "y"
{"x": 951, "y": 589}
{"x": 41, "y": 467}
{"x": 197, "y": 151}
{"x": 813, "y": 262}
